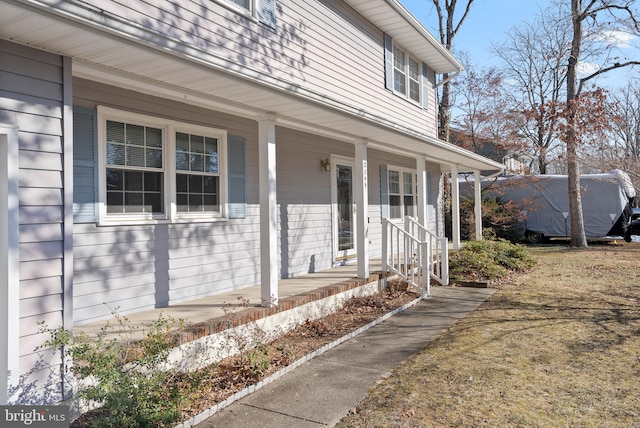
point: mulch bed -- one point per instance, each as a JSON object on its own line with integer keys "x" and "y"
{"x": 223, "y": 379}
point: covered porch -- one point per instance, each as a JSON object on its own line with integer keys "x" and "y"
{"x": 213, "y": 314}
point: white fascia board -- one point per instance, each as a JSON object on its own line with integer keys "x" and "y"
{"x": 423, "y": 32}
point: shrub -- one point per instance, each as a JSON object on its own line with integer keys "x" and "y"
{"x": 125, "y": 378}
{"x": 499, "y": 219}
{"x": 489, "y": 260}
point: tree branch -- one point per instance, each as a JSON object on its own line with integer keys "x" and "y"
{"x": 464, "y": 16}
{"x": 605, "y": 70}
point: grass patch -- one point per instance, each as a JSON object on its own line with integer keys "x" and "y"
{"x": 556, "y": 346}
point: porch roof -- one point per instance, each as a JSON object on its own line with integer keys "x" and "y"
{"x": 136, "y": 58}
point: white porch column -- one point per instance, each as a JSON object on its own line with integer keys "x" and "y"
{"x": 361, "y": 193}
{"x": 9, "y": 268}
{"x": 455, "y": 208}
{"x": 421, "y": 169}
{"x": 477, "y": 186}
{"x": 268, "y": 210}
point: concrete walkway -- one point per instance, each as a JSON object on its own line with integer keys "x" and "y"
{"x": 323, "y": 390}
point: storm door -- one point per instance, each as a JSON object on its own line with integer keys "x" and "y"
{"x": 344, "y": 228}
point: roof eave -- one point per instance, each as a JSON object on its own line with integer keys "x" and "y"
{"x": 369, "y": 8}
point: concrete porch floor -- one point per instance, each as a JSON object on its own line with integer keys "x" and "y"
{"x": 203, "y": 310}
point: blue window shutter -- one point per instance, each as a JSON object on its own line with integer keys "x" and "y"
{"x": 425, "y": 86}
{"x": 237, "y": 177}
{"x": 267, "y": 12}
{"x": 85, "y": 168}
{"x": 388, "y": 62}
{"x": 384, "y": 192}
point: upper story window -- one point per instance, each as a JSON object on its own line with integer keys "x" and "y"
{"x": 414, "y": 80}
{"x": 243, "y": 3}
{"x": 154, "y": 169}
{"x": 405, "y": 75}
{"x": 399, "y": 71}
{"x": 262, "y": 10}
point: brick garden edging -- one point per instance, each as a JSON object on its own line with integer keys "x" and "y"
{"x": 206, "y": 343}
{"x": 245, "y": 316}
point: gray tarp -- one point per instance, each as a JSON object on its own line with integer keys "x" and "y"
{"x": 545, "y": 202}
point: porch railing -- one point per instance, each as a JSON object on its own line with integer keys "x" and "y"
{"x": 414, "y": 254}
{"x": 439, "y": 246}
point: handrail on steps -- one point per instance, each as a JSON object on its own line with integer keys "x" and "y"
{"x": 439, "y": 246}
{"x": 412, "y": 251}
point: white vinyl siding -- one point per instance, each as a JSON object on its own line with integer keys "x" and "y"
{"x": 34, "y": 94}
{"x": 142, "y": 266}
{"x": 315, "y": 45}
{"x": 263, "y": 10}
{"x": 150, "y": 264}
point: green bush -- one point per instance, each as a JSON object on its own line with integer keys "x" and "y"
{"x": 489, "y": 260}
{"x": 125, "y": 378}
{"x": 499, "y": 219}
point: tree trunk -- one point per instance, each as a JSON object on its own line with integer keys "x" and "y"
{"x": 542, "y": 160}
{"x": 444, "y": 112}
{"x": 578, "y": 238}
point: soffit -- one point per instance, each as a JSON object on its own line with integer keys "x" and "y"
{"x": 394, "y": 19}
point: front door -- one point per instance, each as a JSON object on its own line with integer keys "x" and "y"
{"x": 344, "y": 228}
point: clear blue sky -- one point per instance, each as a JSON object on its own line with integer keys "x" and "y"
{"x": 488, "y": 22}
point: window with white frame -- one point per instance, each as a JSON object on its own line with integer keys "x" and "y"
{"x": 399, "y": 70}
{"x": 262, "y": 10}
{"x": 155, "y": 169}
{"x": 402, "y": 192}
{"x": 406, "y": 74}
{"x": 414, "y": 80}
{"x": 134, "y": 168}
{"x": 197, "y": 173}
{"x": 246, "y": 4}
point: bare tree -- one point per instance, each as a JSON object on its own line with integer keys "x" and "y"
{"x": 534, "y": 56}
{"x": 623, "y": 145}
{"x": 617, "y": 14}
{"x": 448, "y": 28}
{"x": 483, "y": 120}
